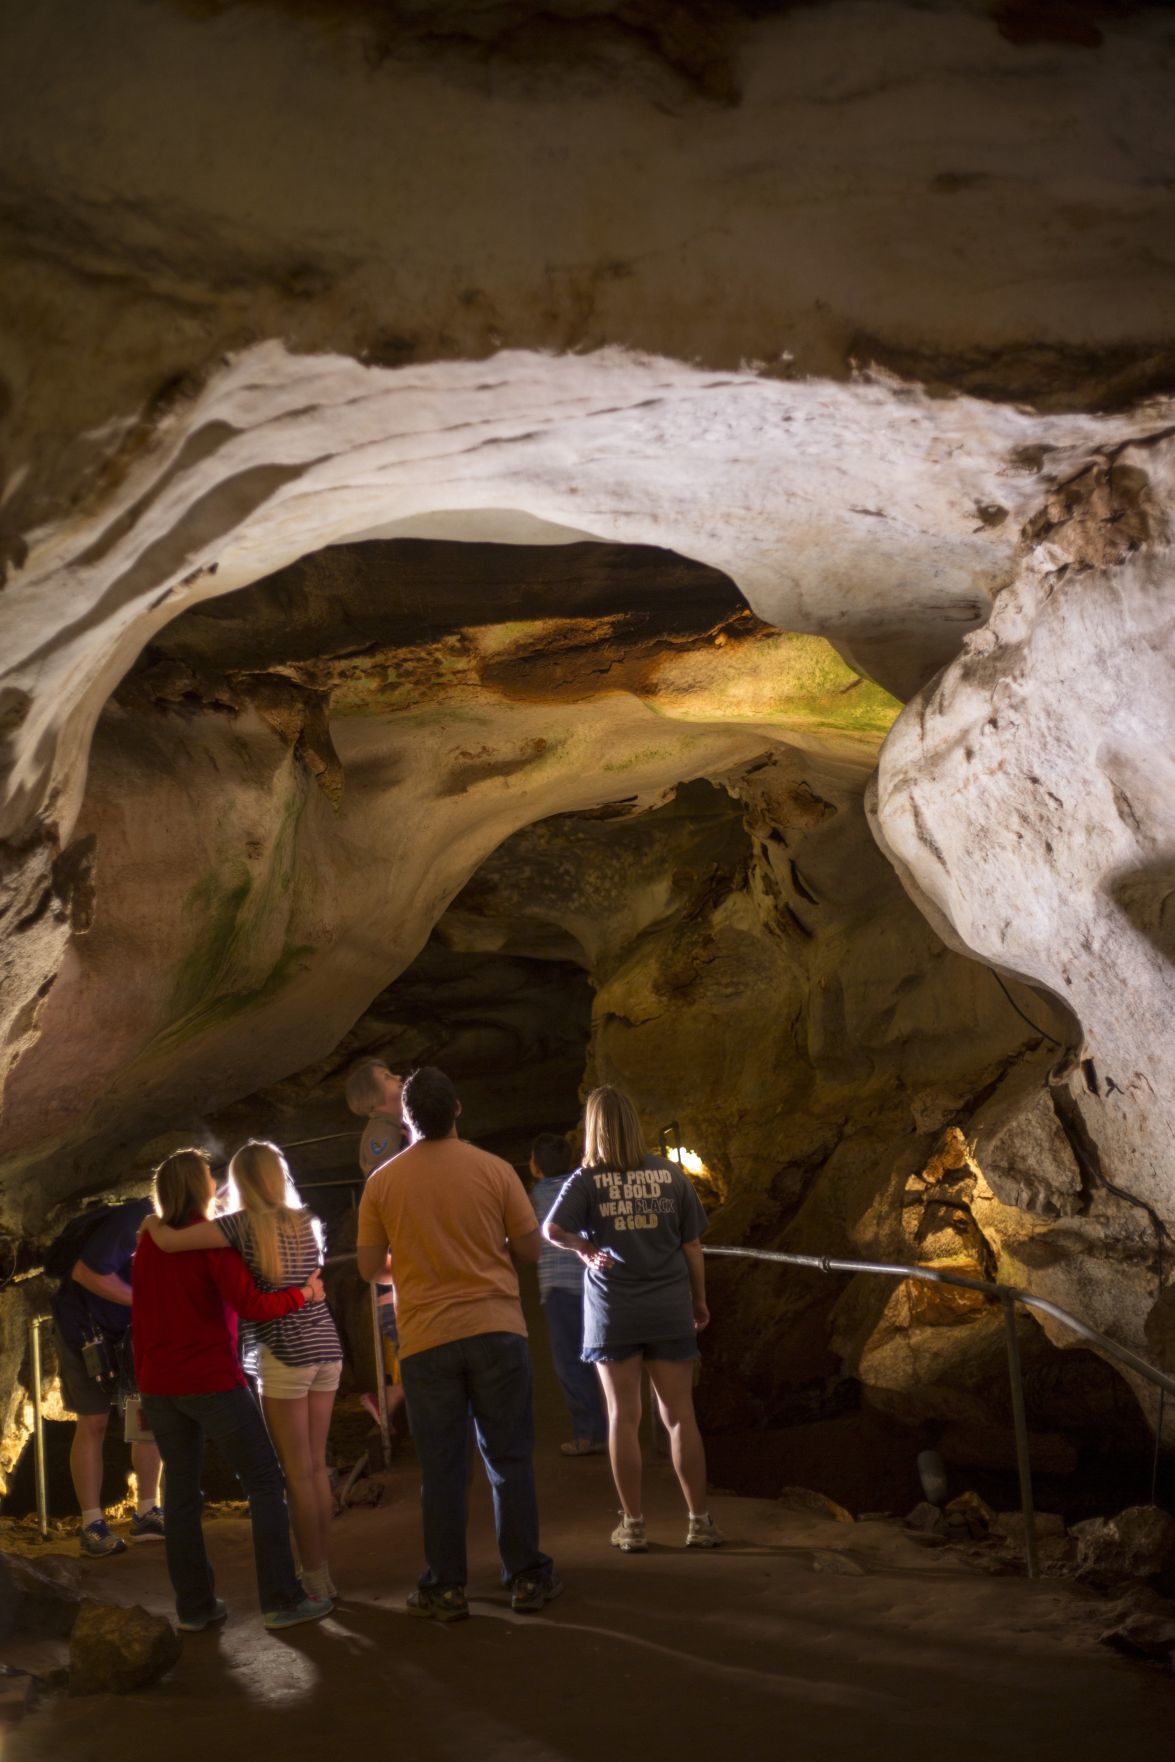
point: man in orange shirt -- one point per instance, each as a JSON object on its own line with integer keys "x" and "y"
{"x": 442, "y": 1219}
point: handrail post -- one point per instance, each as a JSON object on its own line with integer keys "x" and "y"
{"x": 39, "y": 1428}
{"x": 381, "y": 1385}
{"x": 1023, "y": 1457}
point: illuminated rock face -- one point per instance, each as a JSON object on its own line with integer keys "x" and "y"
{"x": 556, "y": 278}
{"x": 1028, "y": 799}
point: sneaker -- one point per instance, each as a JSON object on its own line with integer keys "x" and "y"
{"x": 446, "y": 1605}
{"x": 309, "y": 1609}
{"x": 195, "y": 1624}
{"x": 98, "y": 1539}
{"x": 584, "y": 1447}
{"x": 530, "y": 1592}
{"x": 703, "y": 1532}
{"x": 149, "y": 1527}
{"x": 629, "y": 1535}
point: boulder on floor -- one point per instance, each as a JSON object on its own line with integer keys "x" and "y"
{"x": 1138, "y": 1543}
{"x": 114, "y": 1650}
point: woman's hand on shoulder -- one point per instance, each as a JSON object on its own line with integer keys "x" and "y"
{"x": 149, "y": 1225}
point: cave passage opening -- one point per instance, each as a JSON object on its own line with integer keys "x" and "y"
{"x": 601, "y": 824}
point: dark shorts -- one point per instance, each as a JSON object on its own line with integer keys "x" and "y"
{"x": 80, "y": 1394}
{"x": 678, "y": 1351}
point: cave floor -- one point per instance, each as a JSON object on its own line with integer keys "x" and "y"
{"x": 803, "y": 1637}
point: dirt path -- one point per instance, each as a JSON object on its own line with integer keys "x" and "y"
{"x": 804, "y": 1639}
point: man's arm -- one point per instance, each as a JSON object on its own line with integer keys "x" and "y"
{"x": 107, "y": 1285}
{"x": 697, "y": 1281}
{"x": 527, "y": 1247}
{"x": 375, "y": 1264}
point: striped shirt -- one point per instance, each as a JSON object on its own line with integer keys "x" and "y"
{"x": 309, "y": 1335}
{"x": 558, "y": 1270}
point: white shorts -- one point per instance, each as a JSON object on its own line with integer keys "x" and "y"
{"x": 290, "y": 1382}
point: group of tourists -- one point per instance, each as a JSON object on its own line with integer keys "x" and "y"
{"x": 442, "y": 1228}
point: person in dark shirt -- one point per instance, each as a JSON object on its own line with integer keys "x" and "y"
{"x": 561, "y": 1294}
{"x": 94, "y": 1301}
{"x": 634, "y": 1221}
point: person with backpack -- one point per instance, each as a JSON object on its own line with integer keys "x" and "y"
{"x": 91, "y": 1323}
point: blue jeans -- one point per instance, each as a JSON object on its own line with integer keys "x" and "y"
{"x": 233, "y": 1421}
{"x": 488, "y": 1375}
{"x": 580, "y": 1385}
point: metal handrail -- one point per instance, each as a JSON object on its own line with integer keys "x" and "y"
{"x": 1007, "y": 1296}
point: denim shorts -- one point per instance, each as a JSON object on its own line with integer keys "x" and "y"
{"x": 677, "y": 1351}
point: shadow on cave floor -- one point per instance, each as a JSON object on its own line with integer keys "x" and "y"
{"x": 828, "y": 1641}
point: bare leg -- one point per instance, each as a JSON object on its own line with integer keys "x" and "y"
{"x": 289, "y": 1427}
{"x": 85, "y": 1459}
{"x": 147, "y": 1464}
{"x": 674, "y": 1385}
{"x": 320, "y": 1405}
{"x": 621, "y": 1384}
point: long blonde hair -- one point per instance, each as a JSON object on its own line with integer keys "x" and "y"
{"x": 259, "y": 1184}
{"x": 182, "y": 1186}
{"x": 612, "y": 1136}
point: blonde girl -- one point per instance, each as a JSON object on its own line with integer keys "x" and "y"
{"x": 296, "y": 1359}
{"x": 634, "y": 1220}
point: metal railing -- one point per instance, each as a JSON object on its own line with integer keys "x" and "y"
{"x": 1007, "y": 1296}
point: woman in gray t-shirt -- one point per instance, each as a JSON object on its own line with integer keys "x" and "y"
{"x": 634, "y": 1220}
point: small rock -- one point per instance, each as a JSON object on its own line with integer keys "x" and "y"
{"x": 371, "y": 1489}
{"x": 927, "y": 1519}
{"x": 1138, "y": 1543}
{"x": 113, "y": 1650}
{"x": 829, "y": 1560}
{"x": 1144, "y": 1636}
{"x": 971, "y": 1515}
{"x": 39, "y": 1599}
{"x": 804, "y": 1499}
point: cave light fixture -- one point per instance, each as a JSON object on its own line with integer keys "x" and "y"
{"x": 689, "y": 1160}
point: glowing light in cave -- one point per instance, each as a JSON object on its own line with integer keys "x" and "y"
{"x": 689, "y": 1160}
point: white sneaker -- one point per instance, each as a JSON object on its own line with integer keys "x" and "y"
{"x": 703, "y": 1532}
{"x": 629, "y": 1535}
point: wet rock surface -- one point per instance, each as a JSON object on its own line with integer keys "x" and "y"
{"x": 39, "y": 1598}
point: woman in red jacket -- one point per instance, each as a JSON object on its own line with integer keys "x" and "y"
{"x": 184, "y": 1327}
